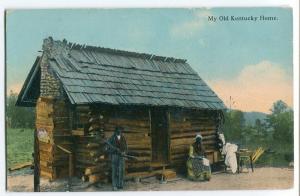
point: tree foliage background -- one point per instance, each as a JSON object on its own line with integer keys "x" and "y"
{"x": 275, "y": 133}
{"x": 18, "y": 117}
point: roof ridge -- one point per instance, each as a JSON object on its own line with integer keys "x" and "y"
{"x": 73, "y": 45}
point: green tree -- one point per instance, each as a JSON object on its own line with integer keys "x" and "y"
{"x": 234, "y": 125}
{"x": 279, "y": 107}
{"x": 275, "y": 133}
{"x": 246, "y": 136}
{"x": 18, "y": 117}
{"x": 281, "y": 123}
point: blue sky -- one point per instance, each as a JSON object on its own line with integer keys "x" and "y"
{"x": 221, "y": 52}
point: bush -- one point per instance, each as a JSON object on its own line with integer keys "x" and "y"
{"x": 275, "y": 134}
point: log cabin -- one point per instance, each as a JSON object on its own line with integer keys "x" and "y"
{"x": 81, "y": 93}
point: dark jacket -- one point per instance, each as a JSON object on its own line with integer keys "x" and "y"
{"x": 119, "y": 144}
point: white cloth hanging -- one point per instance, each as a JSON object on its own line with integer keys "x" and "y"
{"x": 229, "y": 151}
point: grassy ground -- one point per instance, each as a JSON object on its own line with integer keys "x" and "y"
{"x": 19, "y": 145}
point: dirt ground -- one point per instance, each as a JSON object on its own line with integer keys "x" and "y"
{"x": 261, "y": 178}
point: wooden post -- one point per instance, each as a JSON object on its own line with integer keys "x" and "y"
{"x": 36, "y": 179}
{"x": 169, "y": 135}
{"x": 238, "y": 162}
{"x": 70, "y": 171}
{"x": 251, "y": 163}
{"x": 150, "y": 130}
{"x": 70, "y": 165}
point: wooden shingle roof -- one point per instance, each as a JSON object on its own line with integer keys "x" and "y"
{"x": 100, "y": 75}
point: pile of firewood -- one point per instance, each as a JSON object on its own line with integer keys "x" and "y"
{"x": 91, "y": 160}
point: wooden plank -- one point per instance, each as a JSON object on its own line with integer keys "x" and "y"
{"x": 140, "y": 142}
{"x": 140, "y": 152}
{"x": 46, "y": 169}
{"x": 20, "y": 166}
{"x": 47, "y": 174}
{"x": 204, "y": 130}
{"x": 130, "y": 164}
{"x": 46, "y": 157}
{"x": 44, "y": 123}
{"x": 206, "y": 137}
{"x": 182, "y": 141}
{"x": 45, "y": 163}
{"x": 143, "y": 159}
{"x": 180, "y": 124}
{"x": 137, "y": 148}
{"x": 95, "y": 169}
{"x": 179, "y": 156}
{"x": 85, "y": 162}
{"x": 127, "y": 129}
{"x": 90, "y": 145}
{"x": 78, "y": 132}
{"x": 90, "y": 152}
{"x": 140, "y": 174}
{"x": 133, "y": 135}
{"x": 192, "y": 134}
{"x": 204, "y": 118}
{"x": 129, "y": 122}
{"x": 44, "y": 145}
{"x": 169, "y": 174}
{"x": 82, "y": 148}
{"x": 179, "y": 146}
{"x": 184, "y": 149}
{"x": 96, "y": 178}
{"x": 178, "y": 142}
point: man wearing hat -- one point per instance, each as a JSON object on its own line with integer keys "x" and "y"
{"x": 117, "y": 149}
{"x": 197, "y": 165}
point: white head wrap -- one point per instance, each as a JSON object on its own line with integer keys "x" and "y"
{"x": 198, "y": 136}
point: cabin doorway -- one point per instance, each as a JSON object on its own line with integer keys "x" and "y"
{"x": 160, "y": 136}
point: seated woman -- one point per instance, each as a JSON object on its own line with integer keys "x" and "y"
{"x": 198, "y": 168}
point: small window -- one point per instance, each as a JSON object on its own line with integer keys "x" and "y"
{"x": 77, "y": 121}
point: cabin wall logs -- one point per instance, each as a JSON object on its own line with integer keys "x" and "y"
{"x": 84, "y": 129}
{"x": 183, "y": 127}
{"x": 52, "y": 126}
{"x": 97, "y": 124}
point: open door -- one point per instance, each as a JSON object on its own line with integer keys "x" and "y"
{"x": 160, "y": 136}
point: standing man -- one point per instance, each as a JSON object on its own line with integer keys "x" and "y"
{"x": 117, "y": 149}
